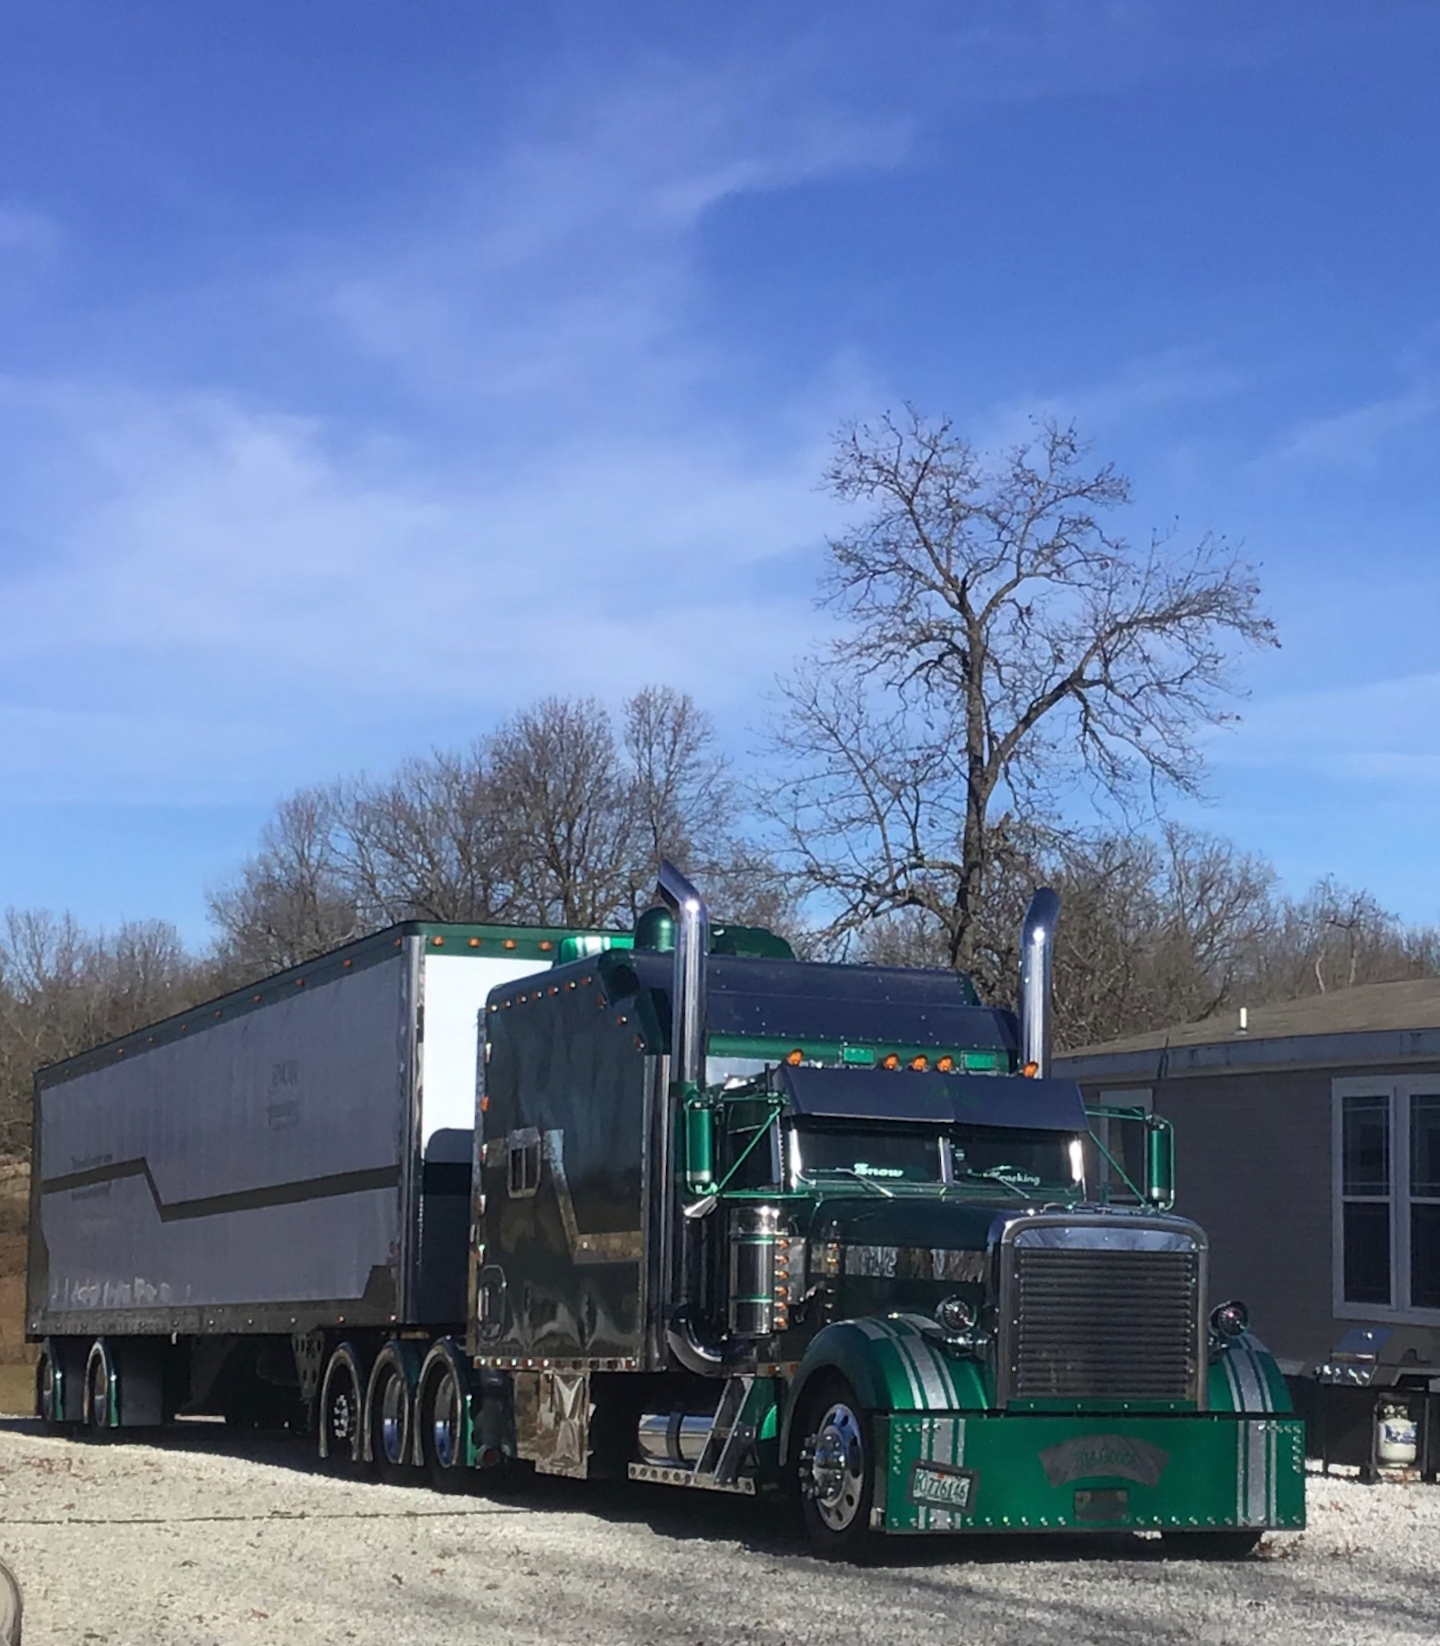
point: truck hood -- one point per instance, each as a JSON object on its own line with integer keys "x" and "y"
{"x": 945, "y": 1225}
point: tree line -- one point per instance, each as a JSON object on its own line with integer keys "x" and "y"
{"x": 1013, "y": 692}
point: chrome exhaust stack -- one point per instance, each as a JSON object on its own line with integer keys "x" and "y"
{"x": 1037, "y": 960}
{"x": 691, "y": 1120}
{"x": 687, "y": 997}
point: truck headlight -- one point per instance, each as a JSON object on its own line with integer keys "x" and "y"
{"x": 956, "y": 1315}
{"x": 1230, "y": 1319}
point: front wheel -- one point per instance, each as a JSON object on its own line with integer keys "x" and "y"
{"x": 836, "y": 1473}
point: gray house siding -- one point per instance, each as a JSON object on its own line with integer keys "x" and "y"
{"x": 1254, "y": 1169}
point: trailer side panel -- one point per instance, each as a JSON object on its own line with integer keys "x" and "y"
{"x": 255, "y": 1164}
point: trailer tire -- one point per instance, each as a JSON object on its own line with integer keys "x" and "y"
{"x": 101, "y": 1398}
{"x": 60, "y": 1384}
{"x": 835, "y": 1470}
{"x": 342, "y": 1410}
{"x": 1233, "y": 1544}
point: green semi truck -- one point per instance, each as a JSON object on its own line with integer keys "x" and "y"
{"x": 474, "y": 1201}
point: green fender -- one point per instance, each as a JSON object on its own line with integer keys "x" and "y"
{"x": 1244, "y": 1378}
{"x": 898, "y": 1364}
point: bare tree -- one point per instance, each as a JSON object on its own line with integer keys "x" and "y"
{"x": 63, "y": 990}
{"x": 291, "y": 901}
{"x": 1002, "y": 646}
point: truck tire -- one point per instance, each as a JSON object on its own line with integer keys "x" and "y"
{"x": 836, "y": 1470}
{"x": 342, "y": 1409}
{"x": 389, "y": 1409}
{"x": 1226, "y": 1545}
{"x": 441, "y": 1408}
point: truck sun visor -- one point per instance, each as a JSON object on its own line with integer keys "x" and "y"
{"x": 766, "y": 998}
{"x": 935, "y": 1099}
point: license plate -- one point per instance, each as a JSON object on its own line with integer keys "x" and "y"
{"x": 938, "y": 1486}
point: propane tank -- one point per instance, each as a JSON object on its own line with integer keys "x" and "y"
{"x": 1395, "y": 1444}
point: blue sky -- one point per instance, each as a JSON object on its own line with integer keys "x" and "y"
{"x": 368, "y": 370}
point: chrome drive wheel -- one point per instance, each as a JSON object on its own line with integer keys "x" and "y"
{"x": 837, "y": 1470}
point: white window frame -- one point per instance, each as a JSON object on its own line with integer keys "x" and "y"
{"x": 1131, "y": 1097}
{"x": 1399, "y": 1089}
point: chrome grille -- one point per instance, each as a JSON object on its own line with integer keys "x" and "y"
{"x": 1099, "y": 1323}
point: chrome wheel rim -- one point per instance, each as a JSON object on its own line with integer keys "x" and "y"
{"x": 393, "y": 1402}
{"x": 445, "y": 1428}
{"x": 837, "y": 1467}
{"x": 342, "y": 1414}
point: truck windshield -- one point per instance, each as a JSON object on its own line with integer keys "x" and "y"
{"x": 1026, "y": 1160}
{"x": 1020, "y": 1161}
{"x": 886, "y": 1156}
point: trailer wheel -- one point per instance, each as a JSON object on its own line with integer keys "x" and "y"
{"x": 101, "y": 1392}
{"x": 1226, "y": 1545}
{"x": 342, "y": 1409}
{"x": 49, "y": 1392}
{"x": 836, "y": 1472}
{"x": 442, "y": 1430}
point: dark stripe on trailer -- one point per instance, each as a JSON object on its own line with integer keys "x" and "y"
{"x": 242, "y": 1200}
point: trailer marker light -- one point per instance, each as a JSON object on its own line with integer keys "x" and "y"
{"x": 439, "y": 942}
{"x": 485, "y": 1104}
{"x": 795, "y": 1057}
{"x": 474, "y": 942}
{"x": 347, "y": 964}
{"x": 890, "y": 1062}
{"x": 509, "y": 942}
{"x": 546, "y": 945}
{"x": 919, "y": 1064}
{"x": 945, "y": 1064}
{"x": 1030, "y": 1070}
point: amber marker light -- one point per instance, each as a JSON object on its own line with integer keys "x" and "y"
{"x": 546, "y": 945}
{"x": 945, "y": 1064}
{"x": 509, "y": 942}
{"x": 474, "y": 942}
{"x": 1030, "y": 1070}
{"x": 795, "y": 1057}
{"x": 890, "y": 1062}
{"x": 919, "y": 1064}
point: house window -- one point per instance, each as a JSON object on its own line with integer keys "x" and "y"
{"x": 1387, "y": 1160}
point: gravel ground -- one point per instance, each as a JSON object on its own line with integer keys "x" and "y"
{"x": 212, "y": 1539}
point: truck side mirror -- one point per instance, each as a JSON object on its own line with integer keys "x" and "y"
{"x": 1159, "y": 1162}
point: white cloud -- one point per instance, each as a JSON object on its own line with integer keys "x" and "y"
{"x": 563, "y": 267}
{"x": 28, "y": 233}
{"x": 227, "y": 588}
{"x": 1354, "y": 438}
{"x": 1383, "y": 732}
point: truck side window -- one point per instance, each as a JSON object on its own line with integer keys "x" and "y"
{"x": 524, "y": 1175}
